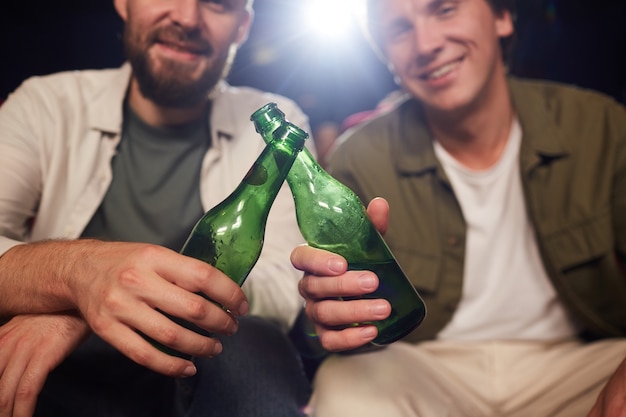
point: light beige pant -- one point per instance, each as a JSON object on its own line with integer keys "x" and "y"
{"x": 467, "y": 379}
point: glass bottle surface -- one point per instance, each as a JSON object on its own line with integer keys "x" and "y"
{"x": 230, "y": 235}
{"x": 332, "y": 217}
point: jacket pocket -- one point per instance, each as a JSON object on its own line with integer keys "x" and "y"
{"x": 582, "y": 242}
{"x": 422, "y": 270}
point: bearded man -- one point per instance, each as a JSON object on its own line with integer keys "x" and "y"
{"x": 104, "y": 174}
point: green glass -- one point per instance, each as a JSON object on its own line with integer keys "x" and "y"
{"x": 331, "y": 217}
{"x": 230, "y": 235}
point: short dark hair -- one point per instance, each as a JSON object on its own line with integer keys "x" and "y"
{"x": 498, "y": 7}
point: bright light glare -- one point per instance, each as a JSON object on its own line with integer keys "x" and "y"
{"x": 331, "y": 19}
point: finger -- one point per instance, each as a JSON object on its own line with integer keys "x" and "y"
{"x": 170, "y": 332}
{"x": 10, "y": 378}
{"x": 350, "y": 284}
{"x": 178, "y": 302}
{"x": 318, "y": 261}
{"x": 378, "y": 212}
{"x": 30, "y": 386}
{"x": 135, "y": 347}
{"x": 45, "y": 355}
{"x": 347, "y": 339}
{"x": 198, "y": 276}
{"x": 333, "y": 313}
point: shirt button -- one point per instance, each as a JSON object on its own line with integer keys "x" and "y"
{"x": 453, "y": 241}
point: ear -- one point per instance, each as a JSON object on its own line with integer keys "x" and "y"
{"x": 120, "y": 7}
{"x": 244, "y": 26}
{"x": 504, "y": 24}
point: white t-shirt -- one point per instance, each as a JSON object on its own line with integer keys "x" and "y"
{"x": 506, "y": 291}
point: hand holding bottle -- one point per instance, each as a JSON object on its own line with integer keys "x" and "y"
{"x": 124, "y": 284}
{"x": 331, "y": 217}
{"x": 230, "y": 236}
{"x": 327, "y": 278}
{"x": 118, "y": 286}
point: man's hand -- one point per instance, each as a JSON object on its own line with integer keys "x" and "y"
{"x": 612, "y": 399}
{"x": 119, "y": 288}
{"x": 326, "y": 280}
{"x": 128, "y": 282}
{"x": 30, "y": 347}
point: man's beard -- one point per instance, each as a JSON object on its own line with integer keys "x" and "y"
{"x": 171, "y": 86}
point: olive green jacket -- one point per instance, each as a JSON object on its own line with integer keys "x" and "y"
{"x": 573, "y": 167}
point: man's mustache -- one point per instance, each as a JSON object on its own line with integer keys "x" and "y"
{"x": 189, "y": 40}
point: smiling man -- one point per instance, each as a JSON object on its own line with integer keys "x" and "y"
{"x": 104, "y": 174}
{"x": 508, "y": 202}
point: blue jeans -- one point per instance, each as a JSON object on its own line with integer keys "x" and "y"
{"x": 258, "y": 374}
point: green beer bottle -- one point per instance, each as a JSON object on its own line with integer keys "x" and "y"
{"x": 230, "y": 235}
{"x": 331, "y": 217}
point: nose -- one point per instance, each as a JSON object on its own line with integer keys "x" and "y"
{"x": 429, "y": 39}
{"x": 185, "y": 13}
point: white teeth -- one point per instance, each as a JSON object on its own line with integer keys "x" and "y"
{"x": 440, "y": 72}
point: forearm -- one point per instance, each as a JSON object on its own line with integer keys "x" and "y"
{"x": 36, "y": 277}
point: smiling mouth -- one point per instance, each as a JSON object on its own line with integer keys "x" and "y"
{"x": 441, "y": 71}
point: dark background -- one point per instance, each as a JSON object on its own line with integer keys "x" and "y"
{"x": 581, "y": 42}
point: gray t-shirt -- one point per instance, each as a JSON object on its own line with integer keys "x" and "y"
{"x": 155, "y": 193}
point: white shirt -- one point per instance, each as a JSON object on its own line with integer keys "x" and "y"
{"x": 58, "y": 135}
{"x": 506, "y": 291}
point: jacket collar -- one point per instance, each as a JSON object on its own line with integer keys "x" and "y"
{"x": 414, "y": 150}
{"x": 106, "y": 109}
{"x": 223, "y": 113}
{"x": 542, "y": 141}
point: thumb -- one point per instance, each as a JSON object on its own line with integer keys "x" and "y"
{"x": 378, "y": 212}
